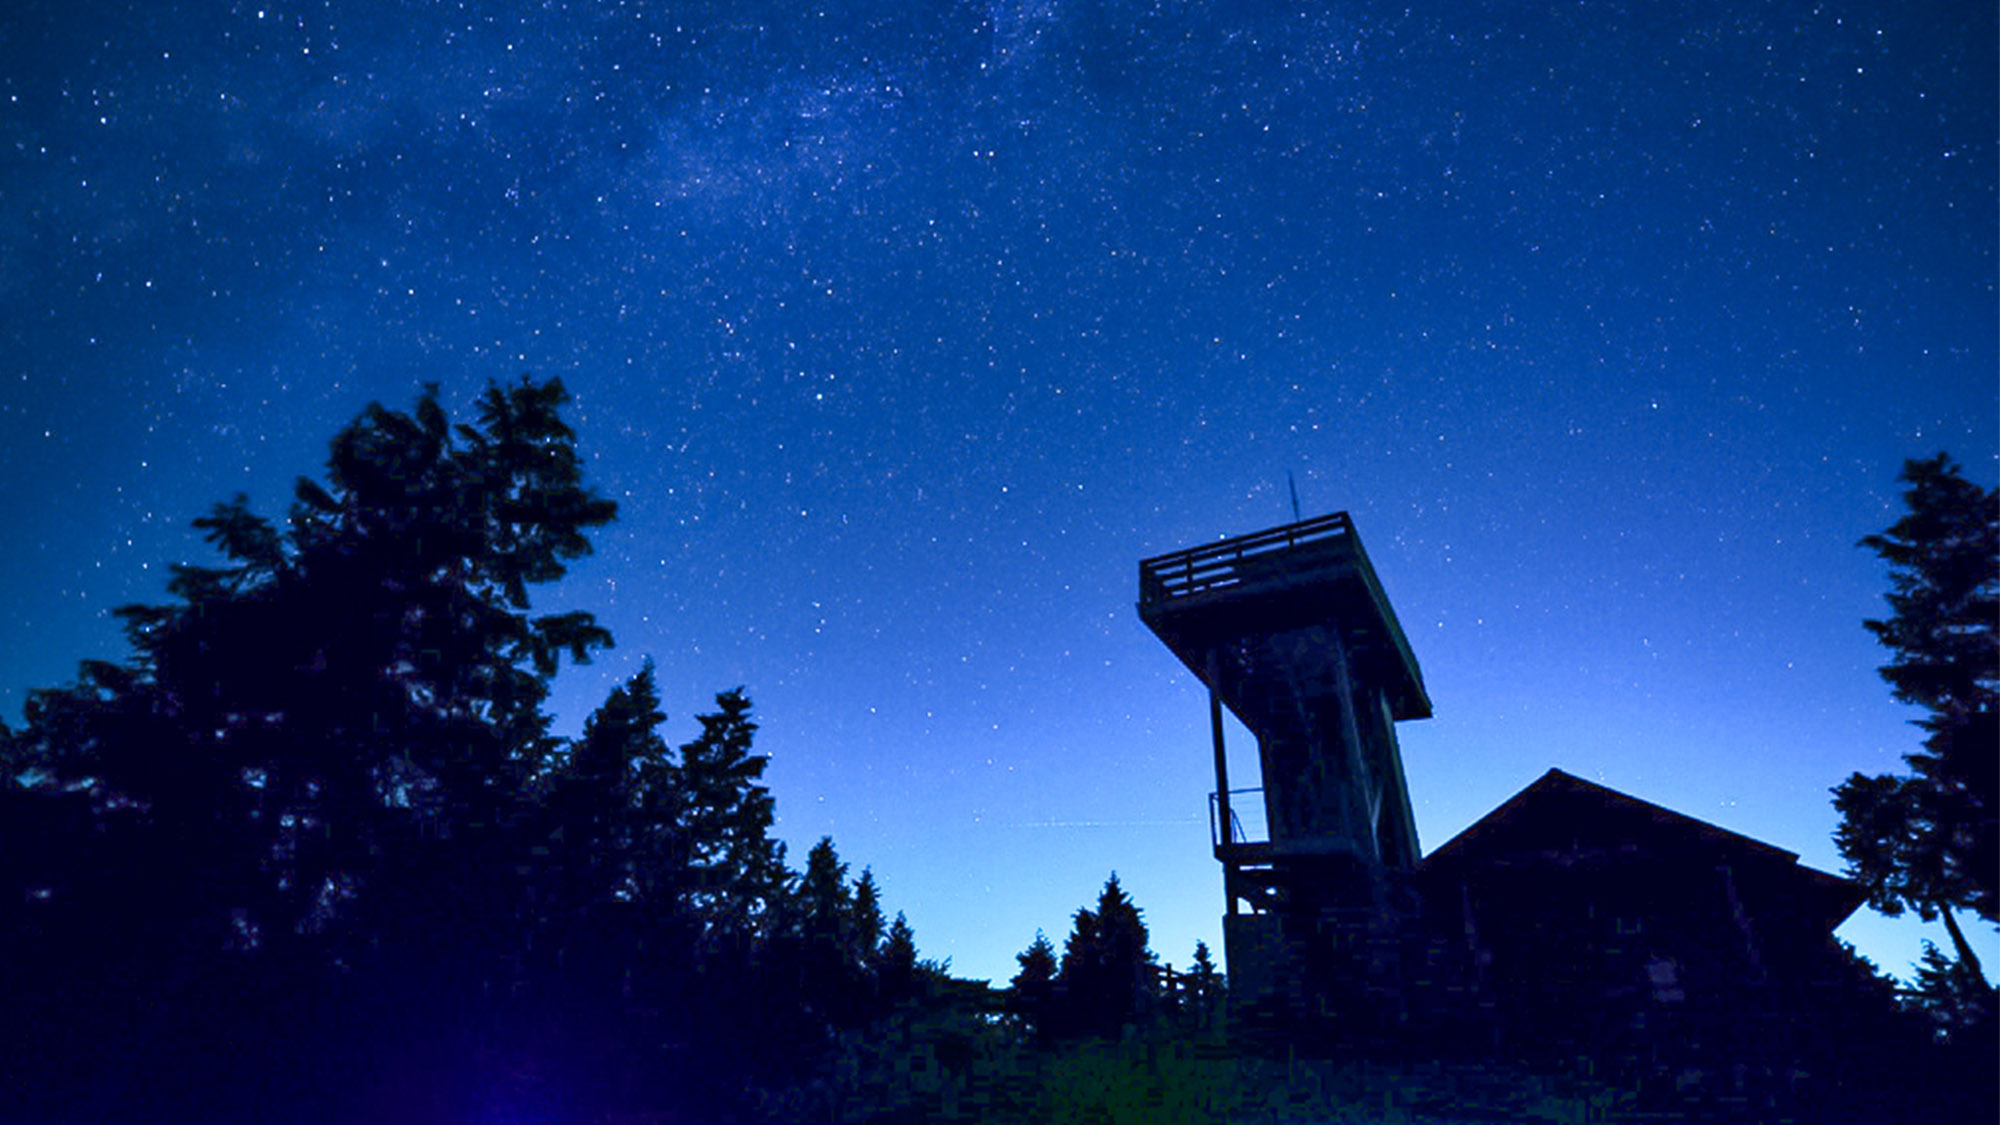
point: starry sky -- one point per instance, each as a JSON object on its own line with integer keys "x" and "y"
{"x": 901, "y": 330}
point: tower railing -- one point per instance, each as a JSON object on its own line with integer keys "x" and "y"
{"x": 1215, "y": 566}
{"x": 1241, "y": 801}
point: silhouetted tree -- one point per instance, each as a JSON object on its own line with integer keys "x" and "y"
{"x": 896, "y": 964}
{"x": 612, "y": 810}
{"x": 1204, "y": 986}
{"x": 1107, "y": 975}
{"x": 611, "y": 934}
{"x": 834, "y": 981}
{"x": 1032, "y": 994}
{"x": 737, "y": 867}
{"x": 317, "y": 760}
{"x": 864, "y": 924}
{"x": 823, "y": 898}
{"x": 1927, "y": 841}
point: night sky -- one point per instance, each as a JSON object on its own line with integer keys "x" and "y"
{"x": 901, "y": 331}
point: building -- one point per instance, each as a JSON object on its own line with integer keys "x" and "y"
{"x": 1583, "y": 920}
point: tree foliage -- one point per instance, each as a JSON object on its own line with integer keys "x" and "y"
{"x": 320, "y": 750}
{"x": 1205, "y": 987}
{"x": 1927, "y": 840}
{"x": 312, "y": 850}
{"x": 1107, "y": 975}
{"x": 1032, "y": 993}
{"x": 833, "y": 941}
{"x": 737, "y": 865}
{"x": 896, "y": 963}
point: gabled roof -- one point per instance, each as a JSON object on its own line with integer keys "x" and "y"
{"x": 1562, "y": 818}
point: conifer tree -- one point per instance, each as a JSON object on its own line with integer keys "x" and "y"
{"x": 1032, "y": 994}
{"x": 1205, "y": 985}
{"x": 737, "y": 868}
{"x": 824, "y": 902}
{"x": 1930, "y": 840}
{"x": 609, "y": 797}
{"x": 896, "y": 965}
{"x": 612, "y": 869}
{"x": 1107, "y": 976}
{"x": 819, "y": 941}
{"x": 864, "y": 924}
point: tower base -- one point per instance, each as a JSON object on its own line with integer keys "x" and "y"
{"x": 1335, "y": 956}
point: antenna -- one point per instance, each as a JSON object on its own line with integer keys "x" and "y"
{"x": 1290, "y": 480}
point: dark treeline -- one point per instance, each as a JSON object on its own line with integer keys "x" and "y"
{"x": 1107, "y": 982}
{"x": 311, "y": 850}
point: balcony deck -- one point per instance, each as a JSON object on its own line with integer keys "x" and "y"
{"x": 1313, "y": 572}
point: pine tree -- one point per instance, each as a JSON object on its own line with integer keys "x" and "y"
{"x": 896, "y": 965}
{"x": 613, "y": 859}
{"x": 824, "y": 902}
{"x": 606, "y": 800}
{"x": 830, "y": 982}
{"x": 737, "y": 868}
{"x": 1928, "y": 841}
{"x": 1951, "y": 994}
{"x": 1032, "y": 992}
{"x": 1205, "y": 986}
{"x": 864, "y": 923}
{"x": 1107, "y": 976}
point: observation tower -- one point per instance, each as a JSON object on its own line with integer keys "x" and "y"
{"x": 1290, "y": 630}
